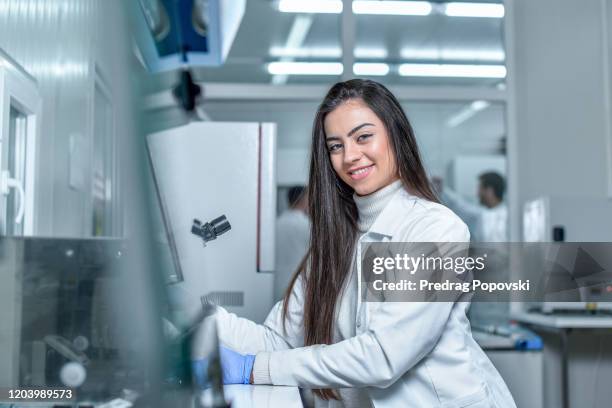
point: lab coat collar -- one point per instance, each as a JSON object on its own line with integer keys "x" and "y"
{"x": 388, "y": 222}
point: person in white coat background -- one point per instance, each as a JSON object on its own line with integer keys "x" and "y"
{"x": 367, "y": 183}
{"x": 488, "y": 220}
{"x": 292, "y": 238}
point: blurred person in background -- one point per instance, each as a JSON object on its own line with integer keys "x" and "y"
{"x": 292, "y": 238}
{"x": 488, "y": 221}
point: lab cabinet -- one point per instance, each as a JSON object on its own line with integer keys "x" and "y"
{"x": 204, "y": 170}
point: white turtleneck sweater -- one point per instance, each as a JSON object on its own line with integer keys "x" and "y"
{"x": 369, "y": 208}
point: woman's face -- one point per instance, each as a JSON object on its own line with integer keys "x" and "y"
{"x": 359, "y": 147}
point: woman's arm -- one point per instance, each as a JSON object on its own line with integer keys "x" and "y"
{"x": 248, "y": 337}
{"x": 399, "y": 336}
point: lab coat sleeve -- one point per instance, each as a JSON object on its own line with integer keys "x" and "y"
{"x": 248, "y": 337}
{"x": 467, "y": 211}
{"x": 399, "y": 336}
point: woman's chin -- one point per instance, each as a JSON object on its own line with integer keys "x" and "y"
{"x": 363, "y": 190}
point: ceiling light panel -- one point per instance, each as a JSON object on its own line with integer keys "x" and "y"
{"x": 453, "y": 54}
{"x": 486, "y": 10}
{"x": 452, "y": 70}
{"x": 370, "y": 69}
{"x": 374, "y": 53}
{"x": 326, "y": 52}
{"x": 397, "y": 8}
{"x": 467, "y": 113}
{"x": 394, "y": 7}
{"x": 310, "y": 6}
{"x": 305, "y": 68}
{"x": 306, "y": 52}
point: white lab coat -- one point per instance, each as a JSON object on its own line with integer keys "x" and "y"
{"x": 486, "y": 224}
{"x": 406, "y": 354}
{"x": 292, "y": 239}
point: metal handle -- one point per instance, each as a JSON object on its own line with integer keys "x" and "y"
{"x": 7, "y": 183}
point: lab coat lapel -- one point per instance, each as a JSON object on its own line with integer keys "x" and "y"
{"x": 383, "y": 230}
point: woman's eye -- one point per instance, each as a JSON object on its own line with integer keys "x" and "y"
{"x": 363, "y": 137}
{"x": 334, "y": 147}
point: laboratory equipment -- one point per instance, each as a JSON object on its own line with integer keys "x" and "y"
{"x": 508, "y": 336}
{"x": 212, "y": 168}
{"x": 73, "y": 315}
{"x": 173, "y": 34}
{"x": 71, "y": 318}
{"x": 573, "y": 220}
{"x": 210, "y": 230}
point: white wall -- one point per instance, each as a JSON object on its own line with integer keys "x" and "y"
{"x": 60, "y": 43}
{"x": 562, "y": 149}
{"x": 560, "y": 98}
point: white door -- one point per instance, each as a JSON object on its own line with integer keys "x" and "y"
{"x": 20, "y": 105}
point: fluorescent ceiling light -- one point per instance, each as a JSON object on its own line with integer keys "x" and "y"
{"x": 362, "y": 52}
{"x": 405, "y": 8}
{"x": 310, "y": 6}
{"x": 395, "y": 7}
{"x": 479, "y": 105}
{"x": 305, "y": 68}
{"x": 467, "y": 113}
{"x": 453, "y": 70}
{"x": 453, "y": 54}
{"x": 325, "y": 52}
{"x": 303, "y": 52}
{"x": 299, "y": 30}
{"x": 370, "y": 69}
{"x": 489, "y": 10}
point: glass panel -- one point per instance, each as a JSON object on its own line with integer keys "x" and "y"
{"x": 463, "y": 145}
{"x": 459, "y": 142}
{"x": 16, "y": 167}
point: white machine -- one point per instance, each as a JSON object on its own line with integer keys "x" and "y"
{"x": 205, "y": 170}
{"x": 574, "y": 220}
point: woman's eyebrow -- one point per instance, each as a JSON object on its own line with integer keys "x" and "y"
{"x": 356, "y": 128}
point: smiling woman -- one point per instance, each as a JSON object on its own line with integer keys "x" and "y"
{"x": 361, "y": 156}
{"x": 363, "y": 128}
{"x": 367, "y": 183}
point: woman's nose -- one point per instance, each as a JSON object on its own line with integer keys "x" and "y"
{"x": 352, "y": 152}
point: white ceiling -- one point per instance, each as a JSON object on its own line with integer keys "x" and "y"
{"x": 403, "y": 39}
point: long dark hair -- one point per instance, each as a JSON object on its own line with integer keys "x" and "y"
{"x": 333, "y": 214}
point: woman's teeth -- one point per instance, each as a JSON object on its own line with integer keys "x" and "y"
{"x": 361, "y": 171}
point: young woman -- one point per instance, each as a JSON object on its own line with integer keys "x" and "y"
{"x": 367, "y": 183}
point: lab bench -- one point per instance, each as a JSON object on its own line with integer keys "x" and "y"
{"x": 563, "y": 325}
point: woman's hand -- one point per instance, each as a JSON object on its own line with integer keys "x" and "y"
{"x": 236, "y": 367}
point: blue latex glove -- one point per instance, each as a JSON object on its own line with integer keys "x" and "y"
{"x": 236, "y": 367}
{"x": 199, "y": 370}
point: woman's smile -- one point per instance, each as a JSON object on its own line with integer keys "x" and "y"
{"x": 359, "y": 173}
